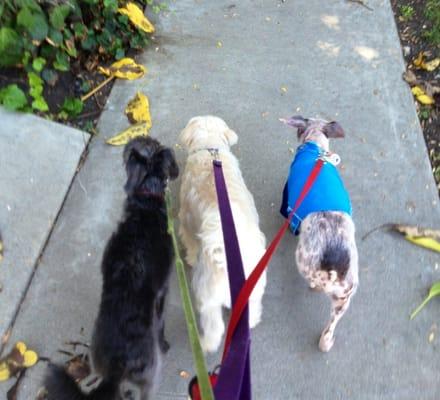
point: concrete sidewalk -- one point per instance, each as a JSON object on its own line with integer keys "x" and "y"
{"x": 251, "y": 62}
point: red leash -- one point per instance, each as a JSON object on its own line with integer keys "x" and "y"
{"x": 253, "y": 278}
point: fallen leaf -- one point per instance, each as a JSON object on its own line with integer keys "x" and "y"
{"x": 283, "y": 89}
{"x": 219, "y": 44}
{"x": 184, "y": 374}
{"x": 5, "y": 373}
{"x": 78, "y": 368}
{"x": 431, "y": 337}
{"x": 125, "y": 136}
{"x": 432, "y": 65}
{"x": 410, "y": 77}
{"x": 16, "y": 361}
{"x": 125, "y": 68}
{"x": 138, "y": 110}
{"x": 414, "y": 230}
{"x": 421, "y": 96}
{"x": 137, "y": 17}
{"x": 419, "y": 62}
{"x": 433, "y": 292}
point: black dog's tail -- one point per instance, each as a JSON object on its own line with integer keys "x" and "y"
{"x": 61, "y": 386}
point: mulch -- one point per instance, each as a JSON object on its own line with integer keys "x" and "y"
{"x": 411, "y": 32}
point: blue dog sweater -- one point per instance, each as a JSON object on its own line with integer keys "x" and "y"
{"x": 327, "y": 193}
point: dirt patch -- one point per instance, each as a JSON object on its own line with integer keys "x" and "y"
{"x": 418, "y": 23}
{"x": 74, "y": 83}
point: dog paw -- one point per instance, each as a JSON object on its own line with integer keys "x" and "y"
{"x": 254, "y": 315}
{"x": 210, "y": 344}
{"x": 326, "y": 342}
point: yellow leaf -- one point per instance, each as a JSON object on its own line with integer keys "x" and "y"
{"x": 21, "y": 347}
{"x": 30, "y": 358}
{"x": 125, "y": 68}
{"x": 426, "y": 242}
{"x": 137, "y": 17}
{"x": 432, "y": 65}
{"x": 419, "y": 62}
{"x": 124, "y": 137}
{"x": 138, "y": 110}
{"x": 5, "y": 373}
{"x": 421, "y": 96}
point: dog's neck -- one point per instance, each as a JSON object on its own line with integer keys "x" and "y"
{"x": 315, "y": 135}
{"x": 213, "y": 151}
{"x": 145, "y": 193}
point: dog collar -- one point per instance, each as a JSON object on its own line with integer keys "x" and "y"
{"x": 214, "y": 151}
{"x": 148, "y": 193}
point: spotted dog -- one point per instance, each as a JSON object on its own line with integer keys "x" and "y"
{"x": 326, "y": 255}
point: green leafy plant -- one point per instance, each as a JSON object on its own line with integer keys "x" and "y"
{"x": 44, "y": 37}
{"x": 71, "y": 108}
{"x": 432, "y": 13}
{"x": 36, "y": 92}
{"x": 407, "y": 12}
{"x": 13, "y": 98}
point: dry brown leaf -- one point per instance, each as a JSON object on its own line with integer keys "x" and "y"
{"x": 410, "y": 77}
{"x": 78, "y": 368}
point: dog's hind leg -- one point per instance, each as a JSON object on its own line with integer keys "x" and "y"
{"x": 213, "y": 327}
{"x": 191, "y": 245}
{"x": 340, "y": 304}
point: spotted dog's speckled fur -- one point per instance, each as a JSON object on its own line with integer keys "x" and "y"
{"x": 326, "y": 255}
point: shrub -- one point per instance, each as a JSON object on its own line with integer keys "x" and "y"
{"x": 58, "y": 32}
{"x": 432, "y": 13}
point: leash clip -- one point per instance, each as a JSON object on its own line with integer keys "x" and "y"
{"x": 331, "y": 158}
{"x": 214, "y": 152}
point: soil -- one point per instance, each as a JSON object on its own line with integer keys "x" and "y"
{"x": 68, "y": 84}
{"x": 412, "y": 29}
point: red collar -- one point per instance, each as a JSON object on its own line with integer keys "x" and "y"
{"x": 148, "y": 193}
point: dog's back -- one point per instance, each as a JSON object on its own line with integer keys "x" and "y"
{"x": 128, "y": 338}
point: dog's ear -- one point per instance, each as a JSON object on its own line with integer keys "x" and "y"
{"x": 231, "y": 137}
{"x": 186, "y": 137}
{"x": 333, "y": 130}
{"x": 136, "y": 170}
{"x": 169, "y": 163}
{"x": 298, "y": 122}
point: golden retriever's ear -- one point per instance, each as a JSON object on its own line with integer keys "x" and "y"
{"x": 186, "y": 137}
{"x": 231, "y": 137}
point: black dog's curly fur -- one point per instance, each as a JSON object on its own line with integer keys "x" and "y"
{"x": 128, "y": 338}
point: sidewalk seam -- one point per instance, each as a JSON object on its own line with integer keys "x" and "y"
{"x": 8, "y": 332}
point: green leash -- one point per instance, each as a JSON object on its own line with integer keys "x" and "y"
{"x": 191, "y": 324}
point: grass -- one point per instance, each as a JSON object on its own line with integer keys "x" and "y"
{"x": 406, "y": 12}
{"x": 432, "y": 13}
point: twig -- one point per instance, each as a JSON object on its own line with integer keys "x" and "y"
{"x": 97, "y": 88}
{"x": 362, "y": 3}
{"x": 89, "y": 114}
{"x": 76, "y": 343}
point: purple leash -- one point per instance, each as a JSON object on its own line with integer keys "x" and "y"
{"x": 234, "y": 380}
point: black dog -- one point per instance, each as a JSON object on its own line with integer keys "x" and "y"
{"x": 128, "y": 339}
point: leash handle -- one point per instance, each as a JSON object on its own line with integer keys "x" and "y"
{"x": 251, "y": 281}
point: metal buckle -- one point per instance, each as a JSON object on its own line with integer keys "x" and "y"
{"x": 214, "y": 152}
